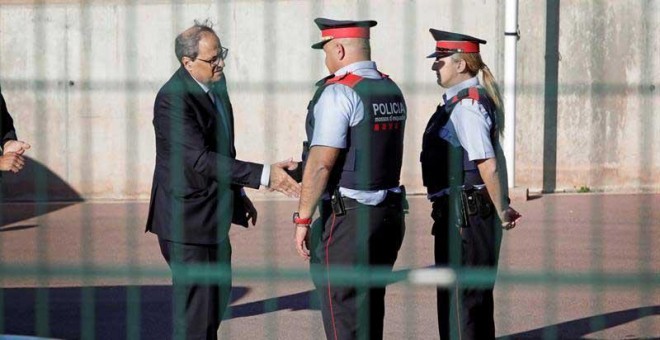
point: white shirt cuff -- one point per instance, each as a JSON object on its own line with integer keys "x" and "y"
{"x": 265, "y": 175}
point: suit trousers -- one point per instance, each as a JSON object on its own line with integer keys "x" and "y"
{"x": 366, "y": 236}
{"x": 198, "y": 307}
{"x": 466, "y": 313}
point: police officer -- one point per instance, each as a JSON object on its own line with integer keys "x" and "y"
{"x": 464, "y": 172}
{"x": 355, "y": 124}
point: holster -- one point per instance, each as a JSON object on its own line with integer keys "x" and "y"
{"x": 476, "y": 202}
{"x": 337, "y": 203}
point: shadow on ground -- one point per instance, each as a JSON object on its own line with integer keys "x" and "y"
{"x": 579, "y": 328}
{"x": 103, "y": 312}
{"x": 120, "y": 312}
{"x": 34, "y": 184}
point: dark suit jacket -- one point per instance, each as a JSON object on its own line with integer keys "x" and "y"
{"x": 7, "y": 131}
{"x": 196, "y": 178}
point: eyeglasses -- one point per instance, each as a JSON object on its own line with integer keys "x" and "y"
{"x": 216, "y": 60}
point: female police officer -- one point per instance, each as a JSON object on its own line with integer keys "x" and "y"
{"x": 465, "y": 175}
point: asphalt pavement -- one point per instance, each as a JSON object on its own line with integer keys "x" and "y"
{"x": 576, "y": 266}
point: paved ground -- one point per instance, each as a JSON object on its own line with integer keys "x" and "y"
{"x": 563, "y": 237}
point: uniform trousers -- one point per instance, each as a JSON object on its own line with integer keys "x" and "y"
{"x": 466, "y": 313}
{"x": 365, "y": 237}
{"x": 198, "y": 307}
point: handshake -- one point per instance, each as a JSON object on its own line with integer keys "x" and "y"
{"x": 12, "y": 156}
{"x": 285, "y": 177}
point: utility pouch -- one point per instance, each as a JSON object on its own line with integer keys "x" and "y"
{"x": 484, "y": 205}
{"x": 337, "y": 203}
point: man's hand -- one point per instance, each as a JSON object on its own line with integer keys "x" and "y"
{"x": 509, "y": 217}
{"x": 281, "y": 181}
{"x": 15, "y": 146}
{"x": 250, "y": 209}
{"x": 11, "y": 162}
{"x": 301, "y": 236}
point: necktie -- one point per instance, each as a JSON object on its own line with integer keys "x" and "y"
{"x": 222, "y": 115}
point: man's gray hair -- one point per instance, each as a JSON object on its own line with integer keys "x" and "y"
{"x": 186, "y": 44}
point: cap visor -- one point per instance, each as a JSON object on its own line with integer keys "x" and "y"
{"x": 319, "y": 45}
{"x": 439, "y": 54}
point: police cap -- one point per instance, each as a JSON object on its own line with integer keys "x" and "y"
{"x": 448, "y": 43}
{"x": 336, "y": 29}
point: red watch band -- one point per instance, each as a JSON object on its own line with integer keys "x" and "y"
{"x": 298, "y": 220}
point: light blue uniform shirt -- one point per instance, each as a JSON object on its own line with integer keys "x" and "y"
{"x": 339, "y": 108}
{"x": 469, "y": 126}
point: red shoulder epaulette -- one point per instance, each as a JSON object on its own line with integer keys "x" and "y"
{"x": 471, "y": 92}
{"x": 348, "y": 79}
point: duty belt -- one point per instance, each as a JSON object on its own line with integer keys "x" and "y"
{"x": 341, "y": 204}
{"x": 474, "y": 201}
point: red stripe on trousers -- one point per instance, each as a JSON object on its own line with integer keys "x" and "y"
{"x": 327, "y": 264}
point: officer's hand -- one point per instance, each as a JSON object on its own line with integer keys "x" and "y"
{"x": 509, "y": 217}
{"x": 281, "y": 181}
{"x": 302, "y": 235}
{"x": 11, "y": 162}
{"x": 15, "y": 146}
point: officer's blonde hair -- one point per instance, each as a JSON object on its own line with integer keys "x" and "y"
{"x": 474, "y": 64}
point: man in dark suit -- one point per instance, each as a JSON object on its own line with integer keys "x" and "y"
{"x": 11, "y": 155}
{"x": 197, "y": 187}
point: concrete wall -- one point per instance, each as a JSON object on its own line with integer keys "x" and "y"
{"x": 80, "y": 80}
{"x": 588, "y": 100}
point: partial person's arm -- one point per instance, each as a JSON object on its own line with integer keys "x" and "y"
{"x": 7, "y": 131}
{"x": 315, "y": 178}
{"x": 11, "y": 153}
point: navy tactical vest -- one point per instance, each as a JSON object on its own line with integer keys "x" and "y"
{"x": 445, "y": 165}
{"x": 374, "y": 147}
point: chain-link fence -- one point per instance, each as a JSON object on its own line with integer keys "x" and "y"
{"x": 80, "y": 80}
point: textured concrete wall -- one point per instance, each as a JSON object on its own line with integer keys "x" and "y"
{"x": 80, "y": 80}
{"x": 588, "y": 99}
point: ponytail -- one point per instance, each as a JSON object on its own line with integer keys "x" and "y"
{"x": 494, "y": 93}
{"x": 474, "y": 64}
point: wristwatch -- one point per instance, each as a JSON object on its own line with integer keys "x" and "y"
{"x": 303, "y": 221}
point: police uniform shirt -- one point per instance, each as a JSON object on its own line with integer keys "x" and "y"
{"x": 469, "y": 124}
{"x": 339, "y": 108}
